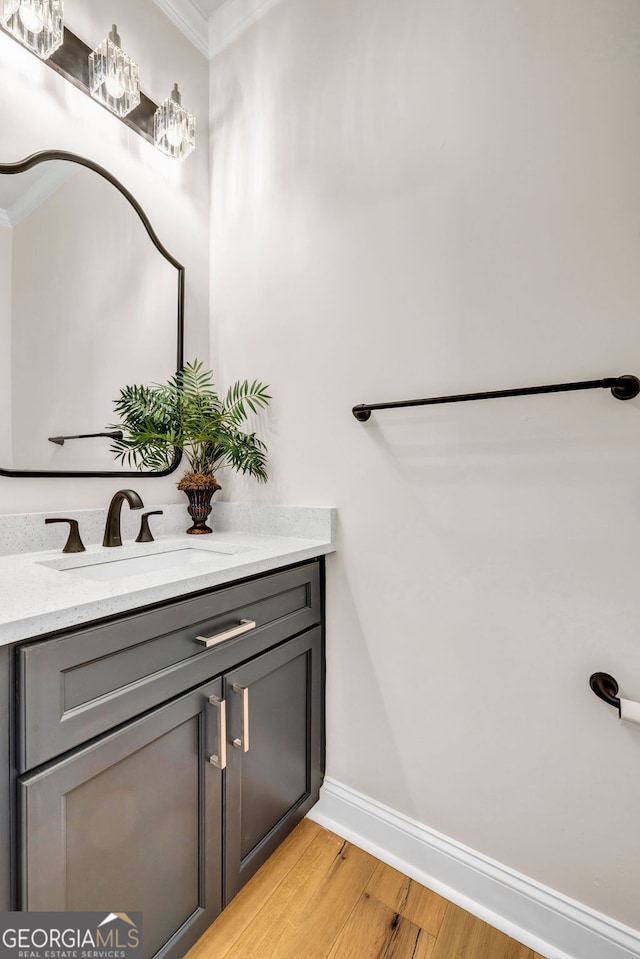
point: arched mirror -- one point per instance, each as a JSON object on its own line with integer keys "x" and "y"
{"x": 90, "y": 302}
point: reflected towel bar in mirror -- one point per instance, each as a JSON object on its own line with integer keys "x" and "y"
{"x": 622, "y": 387}
{"x": 60, "y": 440}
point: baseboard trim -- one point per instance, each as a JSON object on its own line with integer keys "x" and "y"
{"x": 544, "y": 920}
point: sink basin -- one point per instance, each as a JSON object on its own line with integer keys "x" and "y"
{"x": 105, "y": 568}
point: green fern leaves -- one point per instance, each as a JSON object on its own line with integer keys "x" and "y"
{"x": 186, "y": 414}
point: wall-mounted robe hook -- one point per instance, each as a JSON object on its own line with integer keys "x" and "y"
{"x": 606, "y": 688}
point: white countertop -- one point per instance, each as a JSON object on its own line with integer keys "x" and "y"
{"x": 36, "y": 599}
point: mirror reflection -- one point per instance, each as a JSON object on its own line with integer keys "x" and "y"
{"x": 88, "y": 304}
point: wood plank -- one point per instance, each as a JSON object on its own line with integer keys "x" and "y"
{"x": 308, "y": 909}
{"x": 241, "y": 911}
{"x": 318, "y": 897}
{"x": 376, "y": 931}
{"x": 408, "y": 898}
{"x": 462, "y": 936}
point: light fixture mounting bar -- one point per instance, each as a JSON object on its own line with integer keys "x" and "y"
{"x": 71, "y": 61}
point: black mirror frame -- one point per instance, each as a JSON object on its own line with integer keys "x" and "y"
{"x": 42, "y": 157}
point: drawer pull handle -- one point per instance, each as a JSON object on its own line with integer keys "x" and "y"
{"x": 220, "y": 761}
{"x": 243, "y": 743}
{"x": 244, "y": 626}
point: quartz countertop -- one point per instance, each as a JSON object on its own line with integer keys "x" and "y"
{"x": 39, "y": 595}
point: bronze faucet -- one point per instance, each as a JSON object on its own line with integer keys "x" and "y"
{"x": 112, "y": 535}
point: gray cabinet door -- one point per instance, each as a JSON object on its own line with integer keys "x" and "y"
{"x": 272, "y": 784}
{"x": 132, "y": 823}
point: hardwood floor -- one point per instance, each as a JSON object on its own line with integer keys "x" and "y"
{"x": 319, "y": 897}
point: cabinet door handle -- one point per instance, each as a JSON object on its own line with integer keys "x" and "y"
{"x": 220, "y": 761}
{"x": 244, "y": 626}
{"x": 243, "y": 743}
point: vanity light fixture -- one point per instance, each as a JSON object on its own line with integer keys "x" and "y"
{"x": 106, "y": 74}
{"x": 7, "y": 9}
{"x": 174, "y": 128}
{"x": 113, "y": 76}
{"x": 37, "y": 24}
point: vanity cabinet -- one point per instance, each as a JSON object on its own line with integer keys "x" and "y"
{"x": 155, "y": 773}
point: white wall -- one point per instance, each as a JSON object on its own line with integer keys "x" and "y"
{"x": 6, "y": 265}
{"x": 43, "y": 111}
{"x": 424, "y": 197}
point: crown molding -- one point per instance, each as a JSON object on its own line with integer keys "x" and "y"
{"x": 32, "y": 190}
{"x": 228, "y": 20}
{"x": 190, "y": 20}
{"x": 232, "y": 18}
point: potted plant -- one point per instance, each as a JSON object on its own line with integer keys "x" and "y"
{"x": 186, "y": 415}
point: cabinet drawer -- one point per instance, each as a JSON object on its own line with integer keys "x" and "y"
{"x": 83, "y": 683}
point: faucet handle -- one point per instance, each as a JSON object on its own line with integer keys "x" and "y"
{"x": 74, "y": 544}
{"x": 145, "y": 535}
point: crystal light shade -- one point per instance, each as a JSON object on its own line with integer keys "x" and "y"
{"x": 113, "y": 76}
{"x": 7, "y": 9}
{"x": 174, "y": 128}
{"x": 38, "y": 24}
